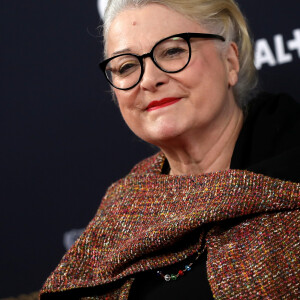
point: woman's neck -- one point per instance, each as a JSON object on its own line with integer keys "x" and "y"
{"x": 209, "y": 151}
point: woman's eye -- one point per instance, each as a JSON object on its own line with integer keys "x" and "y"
{"x": 127, "y": 68}
{"x": 174, "y": 52}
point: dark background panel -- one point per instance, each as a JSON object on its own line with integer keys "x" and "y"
{"x": 63, "y": 141}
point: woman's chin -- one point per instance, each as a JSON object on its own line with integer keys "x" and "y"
{"x": 163, "y": 136}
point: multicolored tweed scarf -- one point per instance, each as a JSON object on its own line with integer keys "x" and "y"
{"x": 144, "y": 215}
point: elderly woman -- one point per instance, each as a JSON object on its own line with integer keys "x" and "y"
{"x": 215, "y": 213}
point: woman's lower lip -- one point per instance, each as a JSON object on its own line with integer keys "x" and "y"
{"x": 161, "y": 104}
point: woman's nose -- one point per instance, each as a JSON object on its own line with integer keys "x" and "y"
{"x": 153, "y": 77}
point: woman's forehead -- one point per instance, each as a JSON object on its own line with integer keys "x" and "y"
{"x": 142, "y": 27}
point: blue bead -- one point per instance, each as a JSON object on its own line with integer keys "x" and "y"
{"x": 188, "y": 268}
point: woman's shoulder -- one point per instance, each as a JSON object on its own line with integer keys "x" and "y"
{"x": 268, "y": 142}
{"x": 274, "y": 117}
{"x": 273, "y": 105}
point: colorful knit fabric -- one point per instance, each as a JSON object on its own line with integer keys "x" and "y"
{"x": 143, "y": 217}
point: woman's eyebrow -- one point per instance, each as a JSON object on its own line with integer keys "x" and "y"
{"x": 126, "y": 50}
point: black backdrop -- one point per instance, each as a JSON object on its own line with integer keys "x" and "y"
{"x": 63, "y": 141}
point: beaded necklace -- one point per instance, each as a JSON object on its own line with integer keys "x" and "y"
{"x": 187, "y": 268}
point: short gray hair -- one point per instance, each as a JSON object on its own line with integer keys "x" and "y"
{"x": 218, "y": 16}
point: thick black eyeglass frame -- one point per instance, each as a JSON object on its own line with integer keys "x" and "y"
{"x": 186, "y": 36}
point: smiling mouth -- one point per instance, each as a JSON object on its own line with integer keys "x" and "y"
{"x": 162, "y": 103}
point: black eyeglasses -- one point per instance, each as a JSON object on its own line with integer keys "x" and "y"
{"x": 171, "y": 55}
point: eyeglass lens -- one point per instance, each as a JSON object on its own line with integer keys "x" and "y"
{"x": 170, "y": 55}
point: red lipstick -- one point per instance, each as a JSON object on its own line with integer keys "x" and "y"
{"x": 162, "y": 103}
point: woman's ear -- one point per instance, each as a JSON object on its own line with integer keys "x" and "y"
{"x": 233, "y": 64}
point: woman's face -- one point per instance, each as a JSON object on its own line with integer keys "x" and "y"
{"x": 197, "y": 98}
